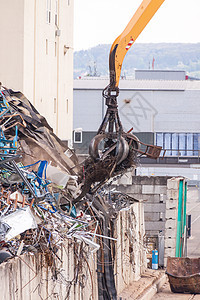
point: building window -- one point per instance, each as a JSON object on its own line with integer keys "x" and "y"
{"x": 55, "y": 105}
{"x": 48, "y": 11}
{"x": 78, "y": 135}
{"x": 179, "y": 144}
{"x": 55, "y": 48}
{"x": 56, "y": 14}
{"x": 46, "y": 46}
{"x": 67, "y": 106}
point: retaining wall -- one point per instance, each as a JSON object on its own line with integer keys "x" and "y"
{"x": 152, "y": 190}
{"x": 130, "y": 260}
{"x": 172, "y": 216}
{"x": 29, "y": 278}
{"x": 160, "y": 196}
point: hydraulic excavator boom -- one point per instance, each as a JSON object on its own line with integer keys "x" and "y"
{"x": 112, "y": 150}
{"x": 115, "y": 134}
{"x": 125, "y": 40}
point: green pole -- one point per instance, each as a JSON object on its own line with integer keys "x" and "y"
{"x": 184, "y": 220}
{"x": 179, "y": 219}
{"x": 184, "y": 208}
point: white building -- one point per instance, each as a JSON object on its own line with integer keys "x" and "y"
{"x": 36, "y": 56}
{"x": 165, "y": 111}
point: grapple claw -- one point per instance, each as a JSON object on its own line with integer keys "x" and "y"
{"x": 102, "y": 146}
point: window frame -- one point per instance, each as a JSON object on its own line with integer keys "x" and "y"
{"x": 48, "y": 11}
{"x": 81, "y": 136}
{"x": 188, "y": 143}
{"x": 56, "y": 13}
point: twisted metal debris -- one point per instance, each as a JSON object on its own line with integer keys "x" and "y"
{"x": 42, "y": 206}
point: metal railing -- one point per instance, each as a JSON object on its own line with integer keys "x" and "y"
{"x": 177, "y": 156}
{"x": 180, "y": 153}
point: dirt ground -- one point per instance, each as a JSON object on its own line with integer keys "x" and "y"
{"x": 166, "y": 293}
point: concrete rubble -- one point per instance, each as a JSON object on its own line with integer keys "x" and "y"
{"x": 39, "y": 178}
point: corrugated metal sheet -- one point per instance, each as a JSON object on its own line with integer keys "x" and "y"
{"x": 133, "y": 84}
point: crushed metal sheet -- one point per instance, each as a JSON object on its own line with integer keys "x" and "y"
{"x": 18, "y": 221}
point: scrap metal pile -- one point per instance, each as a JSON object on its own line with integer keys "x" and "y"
{"x": 35, "y": 213}
{"x": 39, "y": 209}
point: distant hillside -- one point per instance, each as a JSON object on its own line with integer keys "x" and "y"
{"x": 94, "y": 61}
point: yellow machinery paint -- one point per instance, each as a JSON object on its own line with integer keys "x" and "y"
{"x": 125, "y": 40}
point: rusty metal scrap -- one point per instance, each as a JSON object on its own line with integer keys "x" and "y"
{"x": 117, "y": 154}
{"x": 184, "y": 274}
{"x": 36, "y": 136}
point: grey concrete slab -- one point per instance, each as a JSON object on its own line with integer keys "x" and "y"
{"x": 153, "y": 216}
{"x": 155, "y": 225}
{"x": 150, "y": 180}
{"x": 150, "y": 207}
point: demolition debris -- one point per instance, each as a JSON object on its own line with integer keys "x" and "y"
{"x": 38, "y": 212}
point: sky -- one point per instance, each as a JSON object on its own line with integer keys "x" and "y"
{"x": 101, "y": 21}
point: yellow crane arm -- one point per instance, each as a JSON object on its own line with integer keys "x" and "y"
{"x": 120, "y": 149}
{"x": 125, "y": 40}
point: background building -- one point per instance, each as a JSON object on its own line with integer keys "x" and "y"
{"x": 164, "y": 110}
{"x": 36, "y": 56}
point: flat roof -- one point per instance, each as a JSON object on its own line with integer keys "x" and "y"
{"x": 96, "y": 83}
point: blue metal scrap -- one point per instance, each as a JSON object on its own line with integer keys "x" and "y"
{"x": 6, "y": 145}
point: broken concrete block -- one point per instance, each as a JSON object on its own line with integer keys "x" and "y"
{"x": 173, "y": 203}
{"x": 169, "y": 251}
{"x": 150, "y": 207}
{"x": 171, "y": 214}
{"x": 152, "y": 216}
{"x": 152, "y": 198}
{"x": 173, "y": 183}
{"x": 170, "y": 243}
{"x": 160, "y": 225}
{"x": 170, "y": 233}
{"x": 148, "y": 189}
{"x": 170, "y": 224}
{"x": 172, "y": 194}
{"x": 160, "y": 189}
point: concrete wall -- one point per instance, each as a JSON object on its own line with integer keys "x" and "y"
{"x": 29, "y": 278}
{"x": 130, "y": 261}
{"x": 171, "y": 216}
{"x": 152, "y": 190}
{"x": 160, "y": 195}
